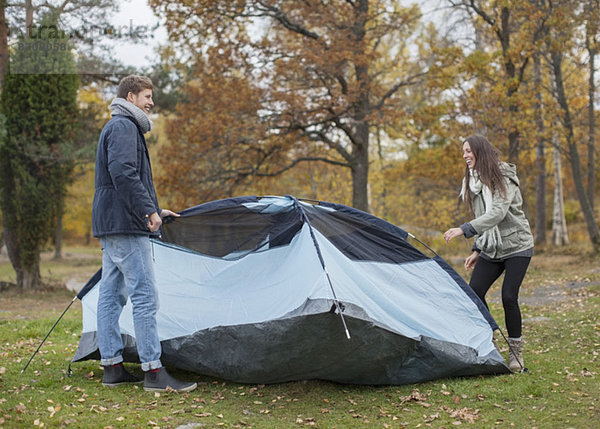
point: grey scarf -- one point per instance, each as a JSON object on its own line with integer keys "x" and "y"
{"x": 489, "y": 241}
{"x": 120, "y": 106}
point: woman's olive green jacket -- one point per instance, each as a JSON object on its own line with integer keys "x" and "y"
{"x": 507, "y": 213}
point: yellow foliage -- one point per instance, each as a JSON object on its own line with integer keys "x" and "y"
{"x": 77, "y": 219}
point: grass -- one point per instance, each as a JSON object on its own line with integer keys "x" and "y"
{"x": 78, "y": 263}
{"x": 561, "y": 329}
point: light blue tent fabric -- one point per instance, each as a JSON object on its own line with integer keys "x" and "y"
{"x": 281, "y": 309}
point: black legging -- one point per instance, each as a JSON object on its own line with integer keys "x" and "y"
{"x": 487, "y": 272}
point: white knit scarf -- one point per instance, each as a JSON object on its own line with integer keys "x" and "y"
{"x": 490, "y": 240}
{"x": 120, "y": 106}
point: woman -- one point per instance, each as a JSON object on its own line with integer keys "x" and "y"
{"x": 503, "y": 239}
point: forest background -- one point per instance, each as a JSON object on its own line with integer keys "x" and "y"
{"x": 359, "y": 102}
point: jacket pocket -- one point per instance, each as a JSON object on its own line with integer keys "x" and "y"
{"x": 511, "y": 238}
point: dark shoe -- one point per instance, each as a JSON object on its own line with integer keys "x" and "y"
{"x": 115, "y": 375}
{"x": 161, "y": 381}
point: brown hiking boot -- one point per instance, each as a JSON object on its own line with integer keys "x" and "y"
{"x": 515, "y": 355}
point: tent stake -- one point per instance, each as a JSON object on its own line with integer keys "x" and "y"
{"x": 48, "y": 334}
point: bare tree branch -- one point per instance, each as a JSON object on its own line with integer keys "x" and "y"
{"x": 283, "y": 19}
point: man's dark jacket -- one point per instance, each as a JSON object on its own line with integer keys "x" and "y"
{"x": 125, "y": 193}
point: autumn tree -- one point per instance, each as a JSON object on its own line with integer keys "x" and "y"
{"x": 560, "y": 36}
{"x": 274, "y": 84}
{"x": 515, "y": 26}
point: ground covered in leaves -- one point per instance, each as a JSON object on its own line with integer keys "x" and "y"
{"x": 560, "y": 303}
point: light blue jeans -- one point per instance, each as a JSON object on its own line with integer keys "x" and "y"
{"x": 127, "y": 271}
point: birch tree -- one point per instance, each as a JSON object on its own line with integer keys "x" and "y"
{"x": 560, "y": 235}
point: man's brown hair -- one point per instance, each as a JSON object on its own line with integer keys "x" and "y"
{"x": 133, "y": 83}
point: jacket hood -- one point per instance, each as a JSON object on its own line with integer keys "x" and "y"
{"x": 510, "y": 171}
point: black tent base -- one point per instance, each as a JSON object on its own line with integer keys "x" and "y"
{"x": 313, "y": 347}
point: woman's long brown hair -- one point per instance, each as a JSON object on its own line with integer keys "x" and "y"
{"x": 487, "y": 164}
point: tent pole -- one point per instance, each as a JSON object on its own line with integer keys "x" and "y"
{"x": 337, "y": 304}
{"x": 48, "y": 334}
{"x": 320, "y": 255}
{"x": 415, "y": 238}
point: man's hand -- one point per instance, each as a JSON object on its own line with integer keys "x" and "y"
{"x": 154, "y": 222}
{"x": 471, "y": 260}
{"x": 164, "y": 213}
{"x": 453, "y": 233}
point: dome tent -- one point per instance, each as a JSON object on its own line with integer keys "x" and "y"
{"x": 275, "y": 289}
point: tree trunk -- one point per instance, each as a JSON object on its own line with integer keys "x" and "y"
{"x": 540, "y": 157}
{"x": 58, "y": 235}
{"x": 28, "y": 277}
{"x": 560, "y": 236}
{"x": 584, "y": 202}
{"x": 12, "y": 249}
{"x": 4, "y": 57}
{"x": 591, "y": 128}
{"x": 28, "y": 18}
{"x": 360, "y": 168}
{"x": 360, "y": 152}
{"x": 512, "y": 88}
{"x": 383, "y": 194}
{"x": 480, "y": 125}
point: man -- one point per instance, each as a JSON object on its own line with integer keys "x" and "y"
{"x": 125, "y": 215}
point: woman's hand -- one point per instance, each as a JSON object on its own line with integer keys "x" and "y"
{"x": 453, "y": 233}
{"x": 471, "y": 260}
